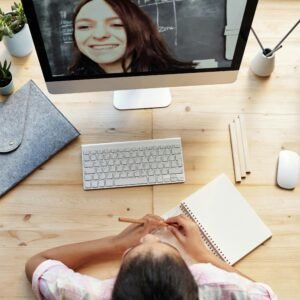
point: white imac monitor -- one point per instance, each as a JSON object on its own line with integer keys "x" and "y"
{"x": 138, "y": 48}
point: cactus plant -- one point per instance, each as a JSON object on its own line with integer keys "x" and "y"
{"x": 13, "y": 21}
{"x": 5, "y": 74}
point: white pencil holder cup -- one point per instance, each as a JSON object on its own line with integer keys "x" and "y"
{"x": 263, "y": 65}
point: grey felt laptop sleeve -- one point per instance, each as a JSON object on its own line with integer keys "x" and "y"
{"x": 32, "y": 130}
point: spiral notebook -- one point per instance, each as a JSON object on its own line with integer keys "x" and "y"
{"x": 229, "y": 226}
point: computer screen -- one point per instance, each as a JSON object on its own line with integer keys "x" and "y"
{"x": 134, "y": 44}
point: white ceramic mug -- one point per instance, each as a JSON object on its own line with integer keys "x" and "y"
{"x": 263, "y": 65}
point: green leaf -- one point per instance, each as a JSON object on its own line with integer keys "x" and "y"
{"x": 2, "y": 74}
{"x": 5, "y": 70}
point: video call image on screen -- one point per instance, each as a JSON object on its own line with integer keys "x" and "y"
{"x": 95, "y": 37}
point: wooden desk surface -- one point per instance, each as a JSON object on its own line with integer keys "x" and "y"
{"x": 50, "y": 208}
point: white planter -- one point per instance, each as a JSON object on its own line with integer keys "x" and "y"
{"x": 8, "y": 89}
{"x": 262, "y": 65}
{"x": 20, "y": 44}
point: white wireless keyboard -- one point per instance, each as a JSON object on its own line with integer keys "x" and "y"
{"x": 134, "y": 163}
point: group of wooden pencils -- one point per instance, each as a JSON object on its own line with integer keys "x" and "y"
{"x": 239, "y": 147}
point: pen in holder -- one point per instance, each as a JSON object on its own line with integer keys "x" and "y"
{"x": 263, "y": 63}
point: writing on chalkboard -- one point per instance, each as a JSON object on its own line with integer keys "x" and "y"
{"x": 165, "y": 28}
{"x": 65, "y": 28}
{"x": 158, "y": 14}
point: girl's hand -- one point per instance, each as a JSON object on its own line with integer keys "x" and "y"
{"x": 188, "y": 234}
{"x": 132, "y": 235}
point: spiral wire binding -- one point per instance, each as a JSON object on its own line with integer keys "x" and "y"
{"x": 209, "y": 242}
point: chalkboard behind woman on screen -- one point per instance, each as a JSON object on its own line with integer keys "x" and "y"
{"x": 113, "y": 36}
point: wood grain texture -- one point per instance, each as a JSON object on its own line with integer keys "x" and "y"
{"x": 50, "y": 208}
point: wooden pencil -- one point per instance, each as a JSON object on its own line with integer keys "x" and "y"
{"x": 137, "y": 221}
{"x": 235, "y": 157}
{"x": 131, "y": 220}
{"x": 240, "y": 147}
{"x": 245, "y": 143}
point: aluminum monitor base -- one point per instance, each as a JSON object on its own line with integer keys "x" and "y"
{"x": 142, "y": 98}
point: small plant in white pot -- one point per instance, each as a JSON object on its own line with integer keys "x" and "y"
{"x": 15, "y": 32}
{"x": 6, "y": 82}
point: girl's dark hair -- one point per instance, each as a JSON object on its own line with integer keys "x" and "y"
{"x": 147, "y": 277}
{"x": 144, "y": 44}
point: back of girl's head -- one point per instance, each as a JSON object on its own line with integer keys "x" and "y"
{"x": 149, "y": 277}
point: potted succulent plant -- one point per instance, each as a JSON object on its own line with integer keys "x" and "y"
{"x": 15, "y": 32}
{"x": 6, "y": 82}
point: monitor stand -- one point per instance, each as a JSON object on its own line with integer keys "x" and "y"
{"x": 142, "y": 98}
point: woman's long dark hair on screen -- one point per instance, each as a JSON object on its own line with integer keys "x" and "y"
{"x": 149, "y": 277}
{"x": 145, "y": 46}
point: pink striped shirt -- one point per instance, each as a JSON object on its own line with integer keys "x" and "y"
{"x": 52, "y": 280}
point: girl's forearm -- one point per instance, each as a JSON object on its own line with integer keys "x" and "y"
{"x": 76, "y": 255}
{"x": 209, "y": 257}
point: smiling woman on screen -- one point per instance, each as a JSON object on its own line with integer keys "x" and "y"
{"x": 113, "y": 36}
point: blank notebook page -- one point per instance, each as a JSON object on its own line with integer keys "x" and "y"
{"x": 227, "y": 217}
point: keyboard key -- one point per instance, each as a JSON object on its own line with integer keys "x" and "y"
{"x": 87, "y": 184}
{"x": 131, "y": 181}
{"x": 130, "y": 174}
{"x": 94, "y": 183}
{"x": 89, "y": 171}
{"x": 164, "y": 171}
{"x": 174, "y": 178}
{"x": 159, "y": 178}
{"x": 166, "y": 178}
{"x": 180, "y": 177}
{"x": 175, "y": 170}
{"x": 88, "y": 164}
{"x": 152, "y": 179}
{"x": 150, "y": 172}
{"x": 157, "y": 172}
{"x": 109, "y": 182}
{"x": 88, "y": 177}
{"x": 174, "y": 163}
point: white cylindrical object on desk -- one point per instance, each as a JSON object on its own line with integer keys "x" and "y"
{"x": 263, "y": 65}
{"x": 20, "y": 44}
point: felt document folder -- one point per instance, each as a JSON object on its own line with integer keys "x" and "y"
{"x": 32, "y": 130}
{"x": 229, "y": 226}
